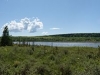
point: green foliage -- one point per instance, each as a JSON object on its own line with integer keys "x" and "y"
{"x": 65, "y": 69}
{"x": 6, "y": 39}
{"x": 96, "y": 70}
{"x": 45, "y": 60}
{"x": 79, "y": 35}
{"x": 58, "y": 38}
{"x": 98, "y": 54}
{"x": 76, "y": 37}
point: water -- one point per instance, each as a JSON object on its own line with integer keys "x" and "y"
{"x": 66, "y": 44}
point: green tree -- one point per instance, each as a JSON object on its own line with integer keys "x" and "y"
{"x": 6, "y": 39}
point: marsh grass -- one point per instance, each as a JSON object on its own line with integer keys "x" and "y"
{"x": 45, "y": 60}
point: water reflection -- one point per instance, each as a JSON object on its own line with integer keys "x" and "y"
{"x": 64, "y": 44}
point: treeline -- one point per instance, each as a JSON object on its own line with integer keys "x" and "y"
{"x": 79, "y": 35}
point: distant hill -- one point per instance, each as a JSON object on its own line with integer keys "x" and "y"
{"x": 74, "y": 37}
{"x": 78, "y": 35}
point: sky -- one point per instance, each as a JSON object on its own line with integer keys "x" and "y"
{"x": 49, "y": 17}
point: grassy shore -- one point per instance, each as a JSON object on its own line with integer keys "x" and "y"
{"x": 44, "y": 60}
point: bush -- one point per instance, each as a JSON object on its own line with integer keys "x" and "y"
{"x": 42, "y": 70}
{"x": 65, "y": 69}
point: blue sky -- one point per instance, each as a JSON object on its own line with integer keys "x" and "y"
{"x": 47, "y": 17}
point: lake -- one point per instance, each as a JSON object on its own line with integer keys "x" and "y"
{"x": 66, "y": 44}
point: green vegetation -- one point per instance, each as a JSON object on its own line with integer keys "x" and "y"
{"x": 6, "y": 39}
{"x": 44, "y": 60}
{"x": 78, "y": 37}
{"x": 23, "y": 59}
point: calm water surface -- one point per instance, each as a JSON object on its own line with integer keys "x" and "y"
{"x": 67, "y": 44}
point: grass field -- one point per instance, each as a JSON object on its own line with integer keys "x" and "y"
{"x": 44, "y": 60}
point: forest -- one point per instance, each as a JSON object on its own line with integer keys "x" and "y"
{"x": 79, "y": 35}
{"x": 75, "y": 37}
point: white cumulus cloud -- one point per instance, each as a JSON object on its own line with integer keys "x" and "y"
{"x": 44, "y": 33}
{"x": 32, "y": 25}
{"x": 54, "y": 28}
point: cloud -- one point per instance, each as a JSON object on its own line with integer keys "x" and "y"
{"x": 24, "y": 24}
{"x": 44, "y": 33}
{"x": 54, "y": 28}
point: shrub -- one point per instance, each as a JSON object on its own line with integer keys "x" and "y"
{"x": 42, "y": 70}
{"x": 96, "y": 71}
{"x": 65, "y": 69}
{"x": 98, "y": 54}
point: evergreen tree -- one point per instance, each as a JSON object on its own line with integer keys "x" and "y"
{"x": 6, "y": 39}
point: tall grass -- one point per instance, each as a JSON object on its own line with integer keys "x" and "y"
{"x": 45, "y": 60}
